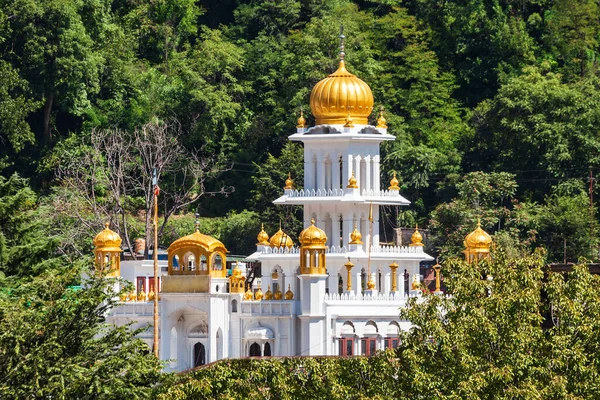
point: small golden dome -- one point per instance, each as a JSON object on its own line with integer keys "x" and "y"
{"x": 132, "y": 296}
{"x": 278, "y": 295}
{"x": 394, "y": 183}
{"x": 248, "y": 295}
{"x": 237, "y": 271}
{"x": 108, "y": 240}
{"x": 123, "y": 296}
{"x": 478, "y": 239}
{"x": 349, "y": 123}
{"x": 141, "y": 296}
{"x": 281, "y": 239}
{"x": 416, "y": 284}
{"x": 289, "y": 183}
{"x": 289, "y": 295}
{"x": 371, "y": 283}
{"x": 356, "y": 236}
{"x": 268, "y": 293}
{"x": 416, "y": 240}
{"x": 263, "y": 238}
{"x": 259, "y": 294}
{"x": 151, "y": 295}
{"x": 352, "y": 182}
{"x": 312, "y": 235}
{"x": 341, "y": 96}
{"x": 301, "y": 120}
{"x": 381, "y": 122}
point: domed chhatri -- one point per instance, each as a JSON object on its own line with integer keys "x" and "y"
{"x": 312, "y": 236}
{"x": 262, "y": 237}
{"x": 355, "y": 236}
{"x": 416, "y": 240}
{"x": 107, "y": 252}
{"x": 341, "y": 98}
{"x": 280, "y": 239}
{"x": 477, "y": 244}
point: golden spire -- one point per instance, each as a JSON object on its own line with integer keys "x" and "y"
{"x": 289, "y": 295}
{"x": 370, "y": 283}
{"x": 301, "y": 120}
{"x": 352, "y": 182}
{"x": 262, "y": 237}
{"x": 356, "y": 236}
{"x": 416, "y": 240}
{"x": 248, "y": 295}
{"x": 394, "y": 183}
{"x": 259, "y": 294}
{"x": 268, "y": 293}
{"x": 349, "y": 266}
{"x": 289, "y": 183}
{"x": 416, "y": 284}
{"x": 381, "y": 122}
{"x": 349, "y": 123}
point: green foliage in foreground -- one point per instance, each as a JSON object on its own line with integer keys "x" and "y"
{"x": 54, "y": 343}
{"x": 510, "y": 330}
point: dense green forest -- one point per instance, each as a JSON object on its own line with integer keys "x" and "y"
{"x": 495, "y": 106}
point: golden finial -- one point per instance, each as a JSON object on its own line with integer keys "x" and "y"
{"x": 248, "y": 295}
{"x": 352, "y": 182}
{"x": 278, "y": 295}
{"x": 381, "y": 122}
{"x": 371, "y": 283}
{"x": 259, "y": 294}
{"x": 356, "y": 236}
{"x": 342, "y": 48}
{"x": 268, "y": 293}
{"x": 416, "y": 285}
{"x": 141, "y": 296}
{"x": 416, "y": 240}
{"x": 123, "y": 297}
{"x": 197, "y": 223}
{"x": 289, "y": 183}
{"x": 349, "y": 123}
{"x": 301, "y": 120}
{"x": 289, "y": 295}
{"x": 262, "y": 237}
{"x": 132, "y": 296}
{"x": 151, "y": 294}
{"x": 394, "y": 183}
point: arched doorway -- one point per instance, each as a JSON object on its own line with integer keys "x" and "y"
{"x": 267, "y": 350}
{"x": 199, "y": 355}
{"x": 255, "y": 350}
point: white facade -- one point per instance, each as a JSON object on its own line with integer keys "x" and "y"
{"x": 211, "y": 323}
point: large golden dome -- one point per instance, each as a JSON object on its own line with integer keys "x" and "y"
{"x": 312, "y": 235}
{"x": 478, "y": 239}
{"x": 339, "y": 96}
{"x": 281, "y": 239}
{"x": 208, "y": 243}
{"x": 108, "y": 240}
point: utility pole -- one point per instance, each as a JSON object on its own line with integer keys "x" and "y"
{"x": 155, "y": 256}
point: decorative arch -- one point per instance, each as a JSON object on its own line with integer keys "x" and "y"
{"x": 348, "y": 328}
{"x": 199, "y": 354}
{"x": 371, "y": 328}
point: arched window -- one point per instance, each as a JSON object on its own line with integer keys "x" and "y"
{"x": 217, "y": 263}
{"x": 199, "y": 355}
{"x": 175, "y": 262}
{"x": 203, "y": 263}
{"x": 267, "y": 350}
{"x": 254, "y": 350}
{"x": 234, "y": 306}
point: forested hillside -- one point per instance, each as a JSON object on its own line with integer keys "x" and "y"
{"x": 495, "y": 106}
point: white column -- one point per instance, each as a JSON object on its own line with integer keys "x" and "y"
{"x": 358, "y": 287}
{"x": 376, "y": 174}
{"x": 357, "y": 172}
{"x": 309, "y": 168}
{"x": 347, "y": 228}
{"x": 333, "y": 281}
{"x": 368, "y": 182}
{"x": 320, "y": 167}
{"x": 348, "y": 171}
{"x": 335, "y": 172}
{"x": 335, "y": 230}
{"x": 387, "y": 283}
{"x": 401, "y": 281}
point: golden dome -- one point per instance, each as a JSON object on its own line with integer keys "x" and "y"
{"x": 259, "y": 294}
{"x": 248, "y": 295}
{"x": 356, "y": 236}
{"x": 352, "y": 182}
{"x": 394, "y": 183}
{"x": 108, "y": 240}
{"x": 278, "y": 295}
{"x": 341, "y": 96}
{"x": 263, "y": 237}
{"x": 416, "y": 240}
{"x": 301, "y": 120}
{"x": 280, "y": 239}
{"x": 289, "y": 295}
{"x": 289, "y": 183}
{"x": 208, "y": 243}
{"x": 151, "y": 295}
{"x": 381, "y": 122}
{"x": 371, "y": 283}
{"x": 268, "y": 293}
{"x": 478, "y": 239}
{"x": 141, "y": 296}
{"x": 312, "y": 235}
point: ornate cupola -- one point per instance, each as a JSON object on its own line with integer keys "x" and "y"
{"x": 477, "y": 244}
{"x": 262, "y": 237}
{"x": 416, "y": 239}
{"x": 341, "y": 98}
{"x": 312, "y": 250}
{"x": 107, "y": 251}
{"x": 281, "y": 239}
{"x": 197, "y": 254}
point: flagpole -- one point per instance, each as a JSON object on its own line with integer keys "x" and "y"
{"x": 155, "y": 256}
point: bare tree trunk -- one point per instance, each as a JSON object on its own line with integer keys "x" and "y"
{"x": 47, "y": 113}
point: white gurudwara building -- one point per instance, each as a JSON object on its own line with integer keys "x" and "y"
{"x": 336, "y": 292}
